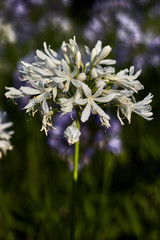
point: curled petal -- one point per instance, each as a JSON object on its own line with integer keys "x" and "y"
{"x": 41, "y": 55}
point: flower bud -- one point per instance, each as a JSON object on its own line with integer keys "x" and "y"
{"x": 93, "y": 54}
{"x": 103, "y": 54}
{"x": 72, "y": 133}
{"x": 82, "y": 77}
{"x": 78, "y": 59}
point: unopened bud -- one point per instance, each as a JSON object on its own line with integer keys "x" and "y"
{"x": 72, "y": 133}
{"x": 93, "y": 54}
{"x": 82, "y": 77}
{"x": 78, "y": 59}
{"x": 103, "y": 54}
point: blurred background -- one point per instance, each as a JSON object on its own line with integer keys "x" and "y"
{"x": 119, "y": 170}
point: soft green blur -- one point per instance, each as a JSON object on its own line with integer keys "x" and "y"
{"x": 118, "y": 195}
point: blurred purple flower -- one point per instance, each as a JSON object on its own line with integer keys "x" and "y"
{"x": 109, "y": 140}
{"x": 18, "y": 6}
{"x": 87, "y": 155}
{"x": 128, "y": 30}
{"x": 114, "y": 145}
{"x": 56, "y": 137}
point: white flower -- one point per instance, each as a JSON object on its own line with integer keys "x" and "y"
{"x": 124, "y": 80}
{"x": 125, "y": 105}
{"x": 13, "y": 93}
{"x": 143, "y": 108}
{"x": 72, "y": 133}
{"x": 73, "y": 47}
{"x": 40, "y": 93}
{"x": 66, "y": 105}
{"x": 5, "y": 135}
{"x": 105, "y": 71}
{"x": 49, "y": 55}
{"x": 37, "y": 90}
{"x": 91, "y": 105}
{"x": 98, "y": 54}
{"x": 102, "y": 54}
{"x": 66, "y": 76}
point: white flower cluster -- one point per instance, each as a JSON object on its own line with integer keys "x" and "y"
{"x": 4, "y": 135}
{"x": 66, "y": 82}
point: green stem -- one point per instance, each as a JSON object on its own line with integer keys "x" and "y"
{"x": 77, "y": 73}
{"x": 89, "y": 74}
{"x": 75, "y": 180}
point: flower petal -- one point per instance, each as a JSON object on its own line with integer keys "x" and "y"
{"x": 65, "y": 67}
{"x": 76, "y": 83}
{"x": 87, "y": 50}
{"x": 35, "y": 100}
{"x": 41, "y": 55}
{"x": 107, "y": 62}
{"x": 107, "y": 98}
{"x": 45, "y": 107}
{"x": 81, "y": 101}
{"x": 54, "y": 91}
{"x": 98, "y": 46}
{"x": 98, "y": 92}
{"x": 50, "y": 64}
{"x": 87, "y": 91}
{"x": 43, "y": 72}
{"x": 58, "y": 79}
{"x": 48, "y": 51}
{"x": 13, "y": 93}
{"x": 29, "y": 91}
{"x": 99, "y": 110}
{"x": 86, "y": 112}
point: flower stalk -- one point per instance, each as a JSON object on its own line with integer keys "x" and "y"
{"x": 75, "y": 182}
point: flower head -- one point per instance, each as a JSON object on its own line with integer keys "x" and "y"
{"x": 66, "y": 83}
